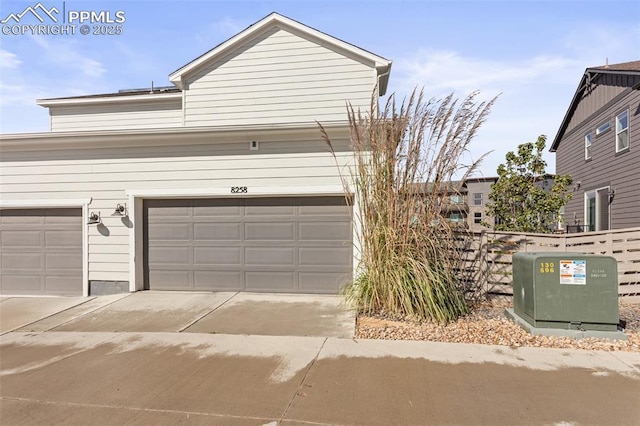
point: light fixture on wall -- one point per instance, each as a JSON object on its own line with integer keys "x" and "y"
{"x": 577, "y": 186}
{"x": 611, "y": 194}
{"x": 94, "y": 219}
{"x": 121, "y": 210}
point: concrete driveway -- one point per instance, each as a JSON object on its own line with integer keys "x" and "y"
{"x": 200, "y": 359}
{"x": 149, "y": 311}
{"x": 190, "y": 378}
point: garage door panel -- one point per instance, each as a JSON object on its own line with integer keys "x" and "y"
{"x": 20, "y": 217}
{"x": 218, "y": 256}
{"x": 63, "y": 284}
{"x": 166, "y": 279}
{"x": 62, "y": 238}
{"x": 269, "y": 207}
{"x": 21, "y": 261}
{"x": 323, "y": 231}
{"x": 171, "y": 232}
{"x": 21, "y": 239}
{"x": 218, "y": 280}
{"x": 172, "y": 255}
{"x": 217, "y": 231}
{"x": 270, "y": 231}
{"x": 270, "y": 281}
{"x": 62, "y": 217}
{"x": 217, "y": 211}
{"x": 59, "y": 261}
{"x": 13, "y": 283}
{"x": 253, "y": 244}
{"x": 41, "y": 251}
{"x": 324, "y": 256}
{"x": 332, "y": 282}
{"x": 270, "y": 256}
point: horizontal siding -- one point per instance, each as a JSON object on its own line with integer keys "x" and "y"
{"x": 104, "y": 174}
{"x": 605, "y": 167}
{"x": 148, "y": 115}
{"x": 278, "y": 78}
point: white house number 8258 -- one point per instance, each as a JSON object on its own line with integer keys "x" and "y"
{"x": 238, "y": 189}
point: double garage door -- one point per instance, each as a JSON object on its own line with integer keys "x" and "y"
{"x": 41, "y": 251}
{"x": 288, "y": 244}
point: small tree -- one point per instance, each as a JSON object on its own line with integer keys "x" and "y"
{"x": 521, "y": 200}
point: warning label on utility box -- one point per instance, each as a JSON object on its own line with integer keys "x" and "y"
{"x": 573, "y": 272}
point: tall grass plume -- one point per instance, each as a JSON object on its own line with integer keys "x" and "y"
{"x": 406, "y": 158}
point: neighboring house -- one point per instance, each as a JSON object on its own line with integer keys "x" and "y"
{"x": 478, "y": 190}
{"x": 598, "y": 144}
{"x": 220, "y": 182}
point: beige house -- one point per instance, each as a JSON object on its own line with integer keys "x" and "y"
{"x": 220, "y": 182}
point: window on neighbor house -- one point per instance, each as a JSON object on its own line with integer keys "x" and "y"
{"x": 477, "y": 199}
{"x": 603, "y": 128}
{"x": 456, "y": 217}
{"x": 622, "y": 131}
{"x": 455, "y": 199}
{"x": 587, "y": 146}
{"x": 477, "y": 218}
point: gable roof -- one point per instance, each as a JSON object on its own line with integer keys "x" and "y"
{"x": 627, "y": 68}
{"x": 273, "y": 20}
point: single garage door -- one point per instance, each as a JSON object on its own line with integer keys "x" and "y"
{"x": 41, "y": 251}
{"x": 299, "y": 245}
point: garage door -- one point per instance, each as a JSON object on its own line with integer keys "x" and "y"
{"x": 300, "y": 245}
{"x": 41, "y": 251}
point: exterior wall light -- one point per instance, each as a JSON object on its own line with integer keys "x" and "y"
{"x": 121, "y": 210}
{"x": 94, "y": 219}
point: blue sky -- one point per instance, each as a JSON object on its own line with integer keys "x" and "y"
{"x": 533, "y": 53}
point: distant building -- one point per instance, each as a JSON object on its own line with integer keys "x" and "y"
{"x": 465, "y": 203}
{"x": 478, "y": 190}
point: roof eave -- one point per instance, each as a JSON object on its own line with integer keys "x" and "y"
{"x": 108, "y": 99}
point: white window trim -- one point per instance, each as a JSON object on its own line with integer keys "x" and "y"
{"x": 595, "y": 196}
{"x": 82, "y": 203}
{"x": 618, "y": 132}
{"x": 587, "y": 147}
{"x": 603, "y": 128}
{"x": 481, "y": 198}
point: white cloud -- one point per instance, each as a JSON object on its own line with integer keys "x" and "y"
{"x": 219, "y": 31}
{"x": 446, "y": 71}
{"x": 68, "y": 55}
{"x": 9, "y": 59}
{"x": 535, "y": 91}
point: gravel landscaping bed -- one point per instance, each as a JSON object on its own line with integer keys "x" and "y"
{"x": 487, "y": 324}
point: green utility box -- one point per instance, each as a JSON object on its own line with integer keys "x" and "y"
{"x": 570, "y": 291}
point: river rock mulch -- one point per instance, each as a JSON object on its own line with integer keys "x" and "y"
{"x": 487, "y": 324}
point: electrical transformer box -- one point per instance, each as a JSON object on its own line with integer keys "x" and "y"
{"x": 571, "y": 291}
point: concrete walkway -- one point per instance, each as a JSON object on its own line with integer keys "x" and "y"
{"x": 76, "y": 374}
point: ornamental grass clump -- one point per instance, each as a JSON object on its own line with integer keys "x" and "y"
{"x": 406, "y": 158}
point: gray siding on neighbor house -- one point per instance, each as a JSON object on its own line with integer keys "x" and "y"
{"x": 606, "y": 167}
{"x": 605, "y": 88}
